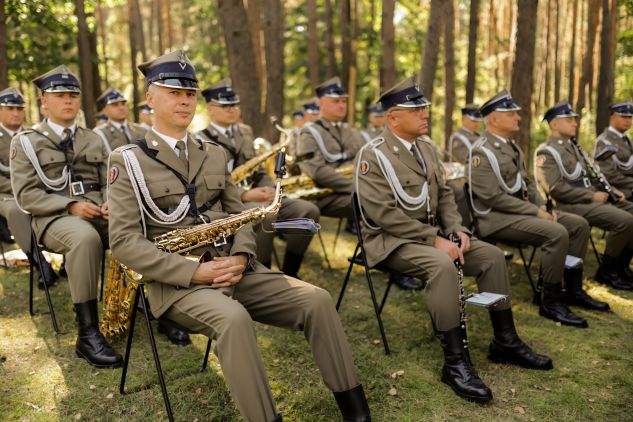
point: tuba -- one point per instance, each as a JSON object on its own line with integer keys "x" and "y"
{"x": 119, "y": 296}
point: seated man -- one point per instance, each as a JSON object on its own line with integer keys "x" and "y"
{"x": 237, "y": 139}
{"x": 58, "y": 172}
{"x": 11, "y": 121}
{"x": 376, "y": 123}
{"x": 567, "y": 175}
{"x": 221, "y": 297}
{"x": 117, "y": 130}
{"x": 507, "y": 207}
{"x": 462, "y": 140}
{"x": 407, "y": 211}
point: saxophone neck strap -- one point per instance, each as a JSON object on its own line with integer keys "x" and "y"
{"x": 229, "y": 148}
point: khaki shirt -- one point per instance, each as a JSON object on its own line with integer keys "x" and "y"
{"x": 399, "y": 226}
{"x": 89, "y": 158}
{"x": 457, "y": 148}
{"x": 487, "y": 192}
{"x": 619, "y": 178}
{"x": 116, "y": 137}
{"x": 173, "y": 272}
{"x": 345, "y": 139}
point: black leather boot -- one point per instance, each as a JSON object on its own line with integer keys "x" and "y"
{"x": 292, "y": 262}
{"x": 350, "y": 227}
{"x": 624, "y": 260}
{"x": 507, "y": 347}
{"x": 405, "y": 282}
{"x": 576, "y": 296}
{"x": 457, "y": 371}
{"x": 91, "y": 345}
{"x": 608, "y": 274}
{"x": 5, "y": 234}
{"x": 173, "y": 333}
{"x": 353, "y": 405}
{"x": 47, "y": 275}
{"x": 552, "y": 307}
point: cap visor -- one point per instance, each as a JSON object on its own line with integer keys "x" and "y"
{"x": 178, "y": 83}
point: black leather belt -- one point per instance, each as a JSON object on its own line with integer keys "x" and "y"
{"x": 582, "y": 182}
{"x": 77, "y": 189}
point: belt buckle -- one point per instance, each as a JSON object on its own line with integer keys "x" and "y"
{"x": 77, "y": 188}
{"x": 586, "y": 182}
{"x": 221, "y": 241}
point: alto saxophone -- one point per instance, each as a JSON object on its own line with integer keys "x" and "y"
{"x": 304, "y": 187}
{"x": 119, "y": 296}
{"x": 243, "y": 171}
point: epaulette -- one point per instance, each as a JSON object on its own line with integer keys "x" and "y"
{"x": 479, "y": 142}
{"x": 374, "y": 143}
{"x": 124, "y": 148}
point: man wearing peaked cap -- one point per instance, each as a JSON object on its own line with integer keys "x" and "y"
{"x": 117, "y": 130}
{"x": 507, "y": 207}
{"x": 311, "y": 110}
{"x": 222, "y": 296}
{"x": 460, "y": 142}
{"x": 64, "y": 187}
{"x": 567, "y": 175}
{"x": 619, "y": 169}
{"x": 238, "y": 141}
{"x": 376, "y": 122}
{"x": 410, "y": 224}
{"x": 11, "y": 123}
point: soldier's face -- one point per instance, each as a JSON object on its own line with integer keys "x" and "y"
{"x": 470, "y": 124}
{"x": 409, "y": 122}
{"x": 12, "y": 117}
{"x": 620, "y": 123}
{"x": 333, "y": 109}
{"x": 565, "y": 126}
{"x": 173, "y": 107}
{"x": 506, "y": 121}
{"x": 311, "y": 117}
{"x": 146, "y": 118}
{"x": 62, "y": 106}
{"x": 224, "y": 114}
{"x": 377, "y": 121}
{"x": 116, "y": 111}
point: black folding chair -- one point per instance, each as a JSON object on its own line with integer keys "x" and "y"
{"x": 359, "y": 258}
{"x": 593, "y": 247}
{"x": 139, "y": 297}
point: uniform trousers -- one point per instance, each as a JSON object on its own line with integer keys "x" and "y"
{"x": 338, "y": 205}
{"x": 274, "y": 299}
{"x": 568, "y": 236}
{"x": 617, "y": 219}
{"x": 433, "y": 266}
{"x": 81, "y": 241}
{"x": 18, "y": 222}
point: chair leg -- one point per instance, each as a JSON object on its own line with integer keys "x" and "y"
{"x": 349, "y": 271}
{"x": 206, "y": 356}
{"x": 329, "y": 266}
{"x": 384, "y": 297}
{"x": 103, "y": 258}
{"x": 527, "y": 269}
{"x": 338, "y": 232}
{"x": 31, "y": 310}
{"x": 130, "y": 335}
{"x": 595, "y": 250}
{"x": 370, "y": 283}
{"x": 36, "y": 250}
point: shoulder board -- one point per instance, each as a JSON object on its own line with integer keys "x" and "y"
{"x": 374, "y": 143}
{"x": 125, "y": 148}
{"x": 26, "y": 131}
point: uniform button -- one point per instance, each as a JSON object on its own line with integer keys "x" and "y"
{"x": 52, "y": 158}
{"x": 219, "y": 184}
{"x": 166, "y": 190}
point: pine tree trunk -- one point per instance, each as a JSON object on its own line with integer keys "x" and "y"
{"x": 449, "y": 69}
{"x": 607, "y": 62}
{"x": 165, "y": 23}
{"x": 133, "y": 36}
{"x": 557, "y": 55}
{"x": 593, "y": 15}
{"x": 472, "y": 50}
{"x": 431, "y": 52}
{"x": 313, "y": 44}
{"x": 94, "y": 64}
{"x": 522, "y": 82}
{"x": 101, "y": 32}
{"x": 254, "y": 11}
{"x": 353, "y": 70}
{"x": 273, "y": 24}
{"x": 158, "y": 14}
{"x": 572, "y": 54}
{"x": 388, "y": 62}
{"x": 140, "y": 34}
{"x": 4, "y": 67}
{"x": 329, "y": 40}
{"x": 85, "y": 64}
{"x": 346, "y": 40}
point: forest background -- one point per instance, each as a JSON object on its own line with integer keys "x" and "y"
{"x": 276, "y": 52}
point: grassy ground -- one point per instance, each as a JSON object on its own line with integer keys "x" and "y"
{"x": 41, "y": 380}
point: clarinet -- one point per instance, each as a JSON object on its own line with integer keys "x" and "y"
{"x": 454, "y": 237}
{"x": 596, "y": 174}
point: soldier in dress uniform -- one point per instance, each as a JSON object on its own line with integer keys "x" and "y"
{"x": 11, "y": 120}
{"x": 508, "y": 207}
{"x": 462, "y": 139}
{"x": 619, "y": 170}
{"x": 376, "y": 123}
{"x": 219, "y": 298}
{"x": 58, "y": 173}
{"x": 145, "y": 115}
{"x": 238, "y": 141}
{"x": 100, "y": 119}
{"x": 563, "y": 170}
{"x": 311, "y": 110}
{"x": 118, "y": 130}
{"x": 408, "y": 213}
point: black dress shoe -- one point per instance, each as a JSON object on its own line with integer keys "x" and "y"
{"x": 608, "y": 274}
{"x": 507, "y": 347}
{"x": 91, "y": 345}
{"x": 576, "y": 296}
{"x": 174, "y": 334}
{"x": 47, "y": 275}
{"x": 350, "y": 227}
{"x": 5, "y": 234}
{"x": 508, "y": 255}
{"x": 405, "y": 282}
{"x": 552, "y": 307}
{"x": 353, "y": 405}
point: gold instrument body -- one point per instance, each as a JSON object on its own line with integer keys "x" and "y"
{"x": 454, "y": 171}
{"x": 243, "y": 171}
{"x": 303, "y": 187}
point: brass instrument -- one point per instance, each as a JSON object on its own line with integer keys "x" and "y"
{"x": 303, "y": 187}
{"x": 453, "y": 171}
{"x": 119, "y": 296}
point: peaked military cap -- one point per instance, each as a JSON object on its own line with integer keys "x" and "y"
{"x": 172, "y": 70}
{"x": 376, "y": 110}
{"x": 471, "y": 111}
{"x": 500, "y": 102}
{"x": 297, "y": 114}
{"x": 624, "y": 108}
{"x": 561, "y": 109}
{"x": 11, "y": 97}
{"x": 60, "y": 79}
{"x": 311, "y": 106}
{"x": 144, "y": 108}
{"x": 109, "y": 96}
{"x": 331, "y": 88}
{"x": 405, "y": 94}
{"x": 221, "y": 93}
{"x": 101, "y": 117}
